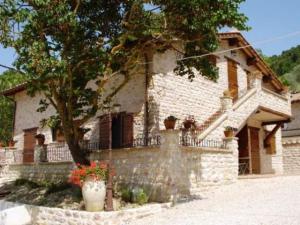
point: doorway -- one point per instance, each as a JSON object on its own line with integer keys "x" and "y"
{"x": 249, "y": 155}
{"x": 29, "y": 144}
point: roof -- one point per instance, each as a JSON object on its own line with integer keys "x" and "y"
{"x": 14, "y": 90}
{"x": 252, "y": 53}
{"x": 249, "y": 51}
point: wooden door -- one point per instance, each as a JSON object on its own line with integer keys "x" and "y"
{"x": 254, "y": 145}
{"x": 29, "y": 144}
{"x": 233, "y": 86}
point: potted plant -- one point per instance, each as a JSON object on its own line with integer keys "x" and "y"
{"x": 40, "y": 139}
{"x": 170, "y": 122}
{"x": 189, "y": 122}
{"x": 91, "y": 179}
{"x": 11, "y": 143}
{"x": 229, "y": 131}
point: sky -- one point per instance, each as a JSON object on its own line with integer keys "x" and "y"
{"x": 269, "y": 19}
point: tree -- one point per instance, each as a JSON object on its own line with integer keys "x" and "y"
{"x": 62, "y": 45}
{"x": 7, "y": 80}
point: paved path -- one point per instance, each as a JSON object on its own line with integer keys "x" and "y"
{"x": 263, "y": 201}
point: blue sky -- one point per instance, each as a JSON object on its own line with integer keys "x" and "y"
{"x": 268, "y": 19}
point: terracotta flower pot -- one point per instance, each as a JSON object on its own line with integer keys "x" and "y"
{"x": 169, "y": 124}
{"x": 11, "y": 143}
{"x": 187, "y": 125}
{"x": 229, "y": 133}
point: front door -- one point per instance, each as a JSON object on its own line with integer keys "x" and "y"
{"x": 232, "y": 79}
{"x": 244, "y": 159}
{"x": 29, "y": 144}
{"x": 254, "y": 146}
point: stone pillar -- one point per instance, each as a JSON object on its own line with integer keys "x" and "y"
{"x": 174, "y": 164}
{"x": 226, "y": 103}
{"x": 256, "y": 80}
{"x": 232, "y": 145}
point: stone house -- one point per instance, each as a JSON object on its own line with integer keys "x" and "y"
{"x": 291, "y": 139}
{"x": 257, "y": 106}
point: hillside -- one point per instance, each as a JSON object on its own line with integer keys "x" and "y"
{"x": 287, "y": 66}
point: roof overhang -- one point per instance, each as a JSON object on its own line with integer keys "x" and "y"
{"x": 268, "y": 116}
{"x": 14, "y": 90}
{"x": 253, "y": 58}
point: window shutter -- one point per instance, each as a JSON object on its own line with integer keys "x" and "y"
{"x": 127, "y": 130}
{"x": 104, "y": 132}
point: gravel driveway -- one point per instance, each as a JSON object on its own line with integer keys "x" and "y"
{"x": 262, "y": 201}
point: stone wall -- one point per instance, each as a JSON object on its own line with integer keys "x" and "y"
{"x": 55, "y": 216}
{"x": 171, "y": 170}
{"x": 52, "y": 172}
{"x": 291, "y": 155}
{"x": 165, "y": 172}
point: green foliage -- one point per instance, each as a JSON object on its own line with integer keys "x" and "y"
{"x": 293, "y": 78}
{"x": 28, "y": 183}
{"x": 126, "y": 194}
{"x": 135, "y": 195}
{"x": 63, "y": 45}
{"x": 140, "y": 197}
{"x": 286, "y": 61}
{"x": 7, "y": 80}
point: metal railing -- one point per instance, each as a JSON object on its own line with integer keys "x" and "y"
{"x": 204, "y": 143}
{"x": 58, "y": 152}
{"x": 143, "y": 141}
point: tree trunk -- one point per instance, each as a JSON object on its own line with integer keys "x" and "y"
{"x": 72, "y": 138}
{"x": 78, "y": 154}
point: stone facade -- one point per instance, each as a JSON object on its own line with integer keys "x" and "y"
{"x": 168, "y": 94}
{"x": 291, "y": 155}
{"x": 52, "y": 172}
{"x": 171, "y": 170}
{"x": 191, "y": 169}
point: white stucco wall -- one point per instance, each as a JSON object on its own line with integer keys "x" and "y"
{"x": 27, "y": 117}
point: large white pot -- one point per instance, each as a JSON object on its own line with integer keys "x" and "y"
{"x": 93, "y": 193}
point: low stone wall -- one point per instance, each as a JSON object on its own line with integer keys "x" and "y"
{"x": 53, "y": 172}
{"x": 291, "y": 155}
{"x": 165, "y": 172}
{"x": 56, "y": 216}
{"x": 172, "y": 171}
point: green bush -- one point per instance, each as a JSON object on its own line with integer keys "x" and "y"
{"x": 135, "y": 195}
{"x": 126, "y": 194}
{"x": 28, "y": 183}
{"x": 57, "y": 187}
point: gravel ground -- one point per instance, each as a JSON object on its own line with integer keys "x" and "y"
{"x": 262, "y": 201}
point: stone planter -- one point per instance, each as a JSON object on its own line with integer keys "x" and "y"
{"x": 93, "y": 193}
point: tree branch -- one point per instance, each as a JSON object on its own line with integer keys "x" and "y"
{"x": 11, "y": 68}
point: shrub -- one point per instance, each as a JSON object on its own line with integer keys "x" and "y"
{"x": 139, "y": 196}
{"x": 126, "y": 194}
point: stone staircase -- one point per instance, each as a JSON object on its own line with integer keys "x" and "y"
{"x": 235, "y": 116}
{"x": 209, "y": 121}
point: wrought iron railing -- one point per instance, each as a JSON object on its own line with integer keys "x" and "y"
{"x": 58, "y": 152}
{"x": 149, "y": 141}
{"x": 204, "y": 143}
